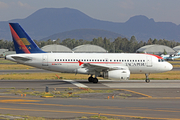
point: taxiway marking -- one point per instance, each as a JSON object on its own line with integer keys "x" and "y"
{"x": 91, "y": 113}
{"x": 104, "y": 107}
{"x": 76, "y": 83}
{"x": 137, "y": 93}
{"x": 18, "y": 100}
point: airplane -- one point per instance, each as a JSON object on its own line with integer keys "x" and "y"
{"x": 171, "y": 56}
{"x": 115, "y": 66}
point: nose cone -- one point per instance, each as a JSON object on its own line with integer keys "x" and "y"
{"x": 169, "y": 67}
{"x": 164, "y": 67}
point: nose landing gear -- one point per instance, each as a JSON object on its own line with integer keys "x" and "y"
{"x": 147, "y": 78}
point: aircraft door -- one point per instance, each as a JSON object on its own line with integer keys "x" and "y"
{"x": 149, "y": 61}
{"x": 44, "y": 60}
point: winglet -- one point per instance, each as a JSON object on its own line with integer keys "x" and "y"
{"x": 80, "y": 63}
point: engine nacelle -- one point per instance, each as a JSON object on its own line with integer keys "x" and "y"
{"x": 117, "y": 74}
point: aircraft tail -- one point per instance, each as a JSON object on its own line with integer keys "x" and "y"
{"x": 22, "y": 42}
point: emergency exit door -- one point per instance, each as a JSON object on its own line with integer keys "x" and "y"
{"x": 149, "y": 61}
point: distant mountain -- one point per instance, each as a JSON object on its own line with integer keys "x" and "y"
{"x": 48, "y": 21}
{"x": 85, "y": 34}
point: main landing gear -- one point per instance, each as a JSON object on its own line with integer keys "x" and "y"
{"x": 147, "y": 78}
{"x": 91, "y": 79}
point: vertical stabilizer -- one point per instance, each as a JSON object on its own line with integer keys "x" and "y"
{"x": 22, "y": 42}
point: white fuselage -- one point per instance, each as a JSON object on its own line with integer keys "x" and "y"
{"x": 68, "y": 62}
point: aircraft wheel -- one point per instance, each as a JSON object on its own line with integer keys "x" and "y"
{"x": 147, "y": 80}
{"x": 90, "y": 79}
{"x": 95, "y": 80}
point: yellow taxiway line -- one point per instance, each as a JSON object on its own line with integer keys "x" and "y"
{"x": 90, "y": 113}
{"x": 22, "y": 101}
{"x": 104, "y": 107}
{"x": 18, "y": 100}
{"x": 32, "y": 102}
{"x": 137, "y": 93}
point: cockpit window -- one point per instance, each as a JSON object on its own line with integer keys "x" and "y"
{"x": 160, "y": 60}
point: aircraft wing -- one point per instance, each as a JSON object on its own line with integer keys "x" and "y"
{"x": 96, "y": 67}
{"x": 100, "y": 68}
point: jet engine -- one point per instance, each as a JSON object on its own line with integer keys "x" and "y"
{"x": 117, "y": 74}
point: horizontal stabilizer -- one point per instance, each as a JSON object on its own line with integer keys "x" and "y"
{"x": 17, "y": 58}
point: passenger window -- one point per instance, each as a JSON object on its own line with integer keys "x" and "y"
{"x": 55, "y": 60}
{"x": 127, "y": 60}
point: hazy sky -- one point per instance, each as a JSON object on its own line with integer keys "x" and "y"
{"x": 108, "y": 10}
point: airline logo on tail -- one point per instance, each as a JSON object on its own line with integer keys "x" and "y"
{"x": 22, "y": 42}
{"x": 18, "y": 40}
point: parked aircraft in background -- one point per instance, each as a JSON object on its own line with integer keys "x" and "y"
{"x": 171, "y": 56}
{"x": 107, "y": 65}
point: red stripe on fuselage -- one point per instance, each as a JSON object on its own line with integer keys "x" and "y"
{"x": 18, "y": 40}
{"x": 159, "y": 57}
{"x": 90, "y": 62}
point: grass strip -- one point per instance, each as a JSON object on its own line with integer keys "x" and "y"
{"x": 171, "y": 75}
{"x": 64, "y": 93}
{"x": 14, "y": 67}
